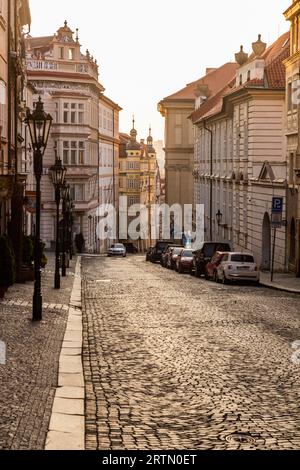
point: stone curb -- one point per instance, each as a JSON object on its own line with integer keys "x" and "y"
{"x": 280, "y": 288}
{"x": 67, "y": 424}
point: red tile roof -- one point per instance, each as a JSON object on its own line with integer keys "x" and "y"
{"x": 274, "y": 79}
{"x": 215, "y": 80}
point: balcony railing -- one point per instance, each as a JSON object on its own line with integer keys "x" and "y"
{"x": 51, "y": 65}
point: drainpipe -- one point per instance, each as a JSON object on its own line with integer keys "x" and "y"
{"x": 210, "y": 185}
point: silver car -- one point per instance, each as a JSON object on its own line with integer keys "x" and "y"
{"x": 117, "y": 250}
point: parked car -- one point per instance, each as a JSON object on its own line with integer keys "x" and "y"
{"x": 167, "y": 253}
{"x": 172, "y": 257}
{"x": 184, "y": 261}
{"x": 117, "y": 250}
{"x": 238, "y": 267}
{"x": 149, "y": 252}
{"x": 131, "y": 248}
{"x": 204, "y": 254}
{"x": 212, "y": 266}
{"x": 158, "y": 250}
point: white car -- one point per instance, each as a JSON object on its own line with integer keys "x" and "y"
{"x": 117, "y": 250}
{"x": 238, "y": 267}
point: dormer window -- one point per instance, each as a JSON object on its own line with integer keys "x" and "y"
{"x": 61, "y": 53}
{"x": 241, "y": 79}
{"x": 248, "y": 76}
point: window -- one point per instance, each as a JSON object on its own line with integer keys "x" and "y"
{"x": 248, "y": 76}
{"x": 81, "y": 154}
{"x": 56, "y": 113}
{"x": 61, "y": 53}
{"x": 66, "y": 152}
{"x": 241, "y": 79}
{"x": 66, "y": 113}
{"x": 73, "y": 113}
{"x": 289, "y": 96}
{"x": 77, "y": 192}
{"x": 71, "y": 54}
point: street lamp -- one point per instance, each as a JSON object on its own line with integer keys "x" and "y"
{"x": 58, "y": 176}
{"x": 219, "y": 217}
{"x": 65, "y": 194}
{"x": 39, "y": 124}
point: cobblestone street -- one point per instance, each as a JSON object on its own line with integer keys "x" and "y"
{"x": 174, "y": 362}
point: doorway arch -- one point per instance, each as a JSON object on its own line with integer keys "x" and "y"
{"x": 266, "y": 243}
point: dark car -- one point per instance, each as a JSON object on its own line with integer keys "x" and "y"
{"x": 156, "y": 255}
{"x": 204, "y": 254}
{"x": 166, "y": 254}
{"x": 131, "y": 248}
{"x": 149, "y": 252}
{"x": 212, "y": 266}
{"x": 184, "y": 261}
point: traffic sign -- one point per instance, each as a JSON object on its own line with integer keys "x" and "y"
{"x": 277, "y": 205}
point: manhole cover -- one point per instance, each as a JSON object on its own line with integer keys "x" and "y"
{"x": 240, "y": 439}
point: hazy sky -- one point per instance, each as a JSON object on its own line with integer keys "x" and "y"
{"x": 148, "y": 49}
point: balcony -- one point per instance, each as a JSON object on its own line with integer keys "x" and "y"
{"x": 63, "y": 66}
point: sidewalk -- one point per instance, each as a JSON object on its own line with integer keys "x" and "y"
{"x": 30, "y": 375}
{"x": 284, "y": 282}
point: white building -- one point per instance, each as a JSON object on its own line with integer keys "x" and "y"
{"x": 240, "y": 161}
{"x": 67, "y": 81}
{"x": 109, "y": 158}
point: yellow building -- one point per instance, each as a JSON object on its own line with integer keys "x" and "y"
{"x": 292, "y": 65}
{"x": 137, "y": 180}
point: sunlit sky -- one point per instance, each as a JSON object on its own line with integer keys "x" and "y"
{"x": 149, "y": 49}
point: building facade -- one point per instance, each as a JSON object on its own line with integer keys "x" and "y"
{"x": 138, "y": 183}
{"x": 67, "y": 81}
{"x": 109, "y": 159}
{"x": 14, "y": 17}
{"x": 240, "y": 161}
{"x": 292, "y": 64}
{"x": 179, "y": 136}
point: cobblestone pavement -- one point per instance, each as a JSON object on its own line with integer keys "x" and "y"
{"x": 174, "y": 362}
{"x": 29, "y": 377}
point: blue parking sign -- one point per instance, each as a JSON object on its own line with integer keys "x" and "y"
{"x": 277, "y": 205}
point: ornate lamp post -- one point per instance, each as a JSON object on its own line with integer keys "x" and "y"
{"x": 58, "y": 176}
{"x": 219, "y": 217}
{"x": 39, "y": 124}
{"x": 71, "y": 221}
{"x": 65, "y": 193}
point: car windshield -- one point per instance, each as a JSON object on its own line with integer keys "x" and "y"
{"x": 187, "y": 254}
{"x": 161, "y": 246}
{"x": 118, "y": 246}
{"x": 177, "y": 251}
{"x": 242, "y": 258}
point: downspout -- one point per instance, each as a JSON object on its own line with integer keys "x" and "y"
{"x": 210, "y": 180}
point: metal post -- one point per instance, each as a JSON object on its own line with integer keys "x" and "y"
{"x": 273, "y": 255}
{"x": 57, "y": 251}
{"x": 37, "y": 294}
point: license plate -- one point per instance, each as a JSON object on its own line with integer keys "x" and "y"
{"x": 244, "y": 268}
